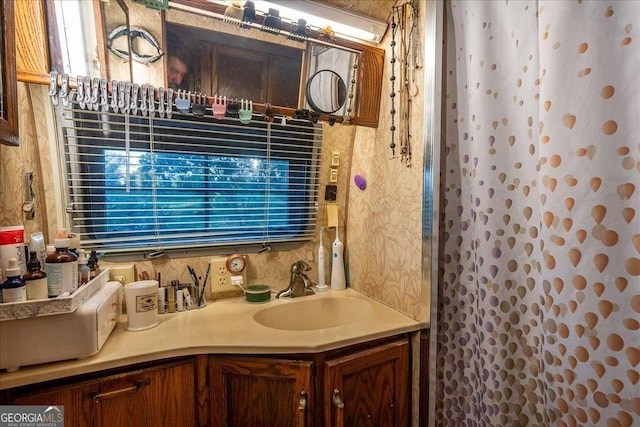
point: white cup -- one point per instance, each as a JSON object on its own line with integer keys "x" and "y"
{"x": 142, "y": 304}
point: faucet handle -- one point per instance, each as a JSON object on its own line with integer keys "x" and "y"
{"x": 300, "y": 267}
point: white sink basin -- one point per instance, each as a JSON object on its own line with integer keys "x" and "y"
{"x": 312, "y": 314}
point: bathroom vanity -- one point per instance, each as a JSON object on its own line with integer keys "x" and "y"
{"x": 222, "y": 366}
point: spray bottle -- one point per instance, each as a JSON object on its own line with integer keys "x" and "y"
{"x": 338, "y": 282}
{"x": 322, "y": 286}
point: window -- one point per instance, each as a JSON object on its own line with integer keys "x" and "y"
{"x": 144, "y": 184}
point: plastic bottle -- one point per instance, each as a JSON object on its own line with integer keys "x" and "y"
{"x": 94, "y": 268}
{"x": 322, "y": 286}
{"x": 61, "y": 268}
{"x": 83, "y": 268}
{"x": 35, "y": 279}
{"x": 338, "y": 282}
{"x": 13, "y": 289}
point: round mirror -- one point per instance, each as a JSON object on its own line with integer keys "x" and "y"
{"x": 326, "y": 91}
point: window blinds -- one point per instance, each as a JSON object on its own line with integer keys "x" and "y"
{"x": 140, "y": 183}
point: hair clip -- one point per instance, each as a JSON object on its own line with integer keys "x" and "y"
{"x": 272, "y": 22}
{"x": 246, "y": 111}
{"x": 233, "y": 14}
{"x": 199, "y": 107}
{"x": 326, "y": 34}
{"x": 249, "y": 14}
{"x": 219, "y": 106}
{"x": 233, "y": 106}
{"x": 300, "y": 31}
{"x": 183, "y": 101}
{"x": 268, "y": 113}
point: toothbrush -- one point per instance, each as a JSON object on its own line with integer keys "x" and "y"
{"x": 322, "y": 286}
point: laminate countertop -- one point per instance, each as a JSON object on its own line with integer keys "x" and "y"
{"x": 231, "y": 326}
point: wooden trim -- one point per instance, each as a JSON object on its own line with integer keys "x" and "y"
{"x": 32, "y": 50}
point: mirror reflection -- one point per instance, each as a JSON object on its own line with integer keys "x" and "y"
{"x": 326, "y": 92}
{"x": 198, "y": 53}
{"x": 213, "y": 62}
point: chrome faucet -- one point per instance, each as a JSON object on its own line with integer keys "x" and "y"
{"x": 299, "y": 283}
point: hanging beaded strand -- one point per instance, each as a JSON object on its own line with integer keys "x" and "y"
{"x": 393, "y": 80}
{"x": 347, "y": 118}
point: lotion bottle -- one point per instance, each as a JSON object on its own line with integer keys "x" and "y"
{"x": 338, "y": 282}
{"x": 322, "y": 286}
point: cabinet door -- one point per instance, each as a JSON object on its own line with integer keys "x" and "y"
{"x": 369, "y": 388}
{"x": 259, "y": 392}
{"x": 151, "y": 397}
{"x": 162, "y": 396}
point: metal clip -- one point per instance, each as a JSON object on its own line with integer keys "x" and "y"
{"x": 104, "y": 96}
{"x": 161, "y": 102}
{"x": 134, "y": 99}
{"x": 121, "y": 88}
{"x": 64, "y": 90}
{"x": 127, "y": 97}
{"x": 95, "y": 93}
{"x": 86, "y": 82}
{"x": 114, "y": 96}
{"x": 143, "y": 100}
{"x": 169, "y": 102}
{"x": 53, "y": 87}
{"x": 151, "y": 93}
{"x": 80, "y": 90}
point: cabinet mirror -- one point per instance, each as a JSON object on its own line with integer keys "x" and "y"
{"x": 8, "y": 85}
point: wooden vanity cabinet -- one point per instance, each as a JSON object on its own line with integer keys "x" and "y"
{"x": 158, "y": 396}
{"x": 369, "y": 388}
{"x": 256, "y": 392}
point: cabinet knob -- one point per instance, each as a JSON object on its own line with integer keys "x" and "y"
{"x": 337, "y": 401}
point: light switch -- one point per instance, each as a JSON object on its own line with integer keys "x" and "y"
{"x": 333, "y": 175}
{"x": 335, "y": 158}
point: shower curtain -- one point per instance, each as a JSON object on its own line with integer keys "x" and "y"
{"x": 538, "y": 310}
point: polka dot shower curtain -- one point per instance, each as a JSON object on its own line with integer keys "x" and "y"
{"x": 539, "y": 297}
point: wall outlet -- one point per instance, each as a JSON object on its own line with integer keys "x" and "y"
{"x": 123, "y": 273}
{"x": 220, "y": 285}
